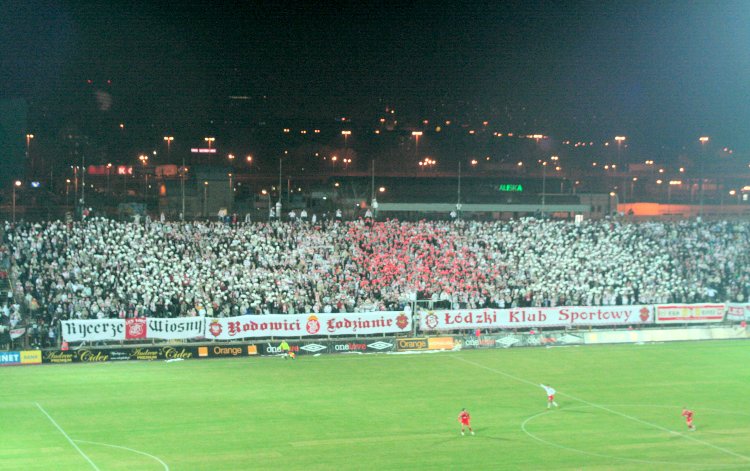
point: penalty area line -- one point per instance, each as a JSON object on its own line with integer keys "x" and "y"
{"x": 93, "y": 465}
{"x": 607, "y": 409}
{"x": 156, "y": 458}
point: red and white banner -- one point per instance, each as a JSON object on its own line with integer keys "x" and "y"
{"x": 304, "y": 325}
{"x": 738, "y": 312}
{"x": 15, "y": 333}
{"x": 241, "y": 327}
{"x": 689, "y": 313}
{"x": 563, "y": 316}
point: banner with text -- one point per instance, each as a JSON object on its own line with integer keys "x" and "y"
{"x": 563, "y": 316}
{"x": 303, "y": 325}
{"x": 738, "y": 312}
{"x": 133, "y": 329}
{"x": 689, "y": 313}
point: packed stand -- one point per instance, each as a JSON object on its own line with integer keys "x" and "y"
{"x": 103, "y": 268}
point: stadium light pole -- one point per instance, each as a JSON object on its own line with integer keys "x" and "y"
{"x": 16, "y": 184}
{"x": 703, "y": 140}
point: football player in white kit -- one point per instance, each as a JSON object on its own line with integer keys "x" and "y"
{"x": 550, "y": 395}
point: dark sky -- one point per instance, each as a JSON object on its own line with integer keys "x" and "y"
{"x": 663, "y": 71}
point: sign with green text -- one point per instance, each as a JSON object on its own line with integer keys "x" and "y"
{"x": 511, "y": 187}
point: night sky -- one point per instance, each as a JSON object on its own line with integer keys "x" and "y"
{"x": 663, "y": 72}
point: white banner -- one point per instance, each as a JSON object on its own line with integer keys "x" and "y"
{"x": 93, "y": 330}
{"x": 176, "y": 328}
{"x": 738, "y": 312}
{"x": 303, "y": 325}
{"x": 132, "y": 329}
{"x": 563, "y": 316}
{"x": 689, "y": 313}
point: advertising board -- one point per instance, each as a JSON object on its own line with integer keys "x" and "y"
{"x": 689, "y": 313}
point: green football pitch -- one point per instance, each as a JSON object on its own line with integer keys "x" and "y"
{"x": 619, "y": 409}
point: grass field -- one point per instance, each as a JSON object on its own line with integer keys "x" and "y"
{"x": 619, "y": 410}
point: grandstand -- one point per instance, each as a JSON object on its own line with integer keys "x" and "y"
{"x": 99, "y": 268}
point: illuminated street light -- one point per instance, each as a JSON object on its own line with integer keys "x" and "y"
{"x": 16, "y": 184}
{"x": 703, "y": 140}
{"x": 619, "y": 140}
{"x": 30, "y": 163}
{"x": 168, "y": 140}
{"x": 205, "y": 198}
{"x": 544, "y": 184}
{"x": 416, "y": 135}
{"x": 209, "y": 140}
{"x": 612, "y": 194}
{"x": 346, "y": 135}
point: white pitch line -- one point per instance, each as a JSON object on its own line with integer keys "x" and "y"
{"x": 67, "y": 437}
{"x": 600, "y": 455}
{"x": 166, "y": 468}
{"x": 636, "y": 419}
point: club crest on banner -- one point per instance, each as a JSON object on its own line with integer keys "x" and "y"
{"x": 215, "y": 328}
{"x": 312, "y": 326}
{"x": 135, "y": 328}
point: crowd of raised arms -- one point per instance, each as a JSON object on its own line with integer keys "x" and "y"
{"x": 104, "y": 268}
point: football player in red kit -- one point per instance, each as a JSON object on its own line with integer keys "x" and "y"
{"x": 688, "y": 414}
{"x": 465, "y": 420}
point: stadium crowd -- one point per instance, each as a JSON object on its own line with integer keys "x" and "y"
{"x": 104, "y": 268}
